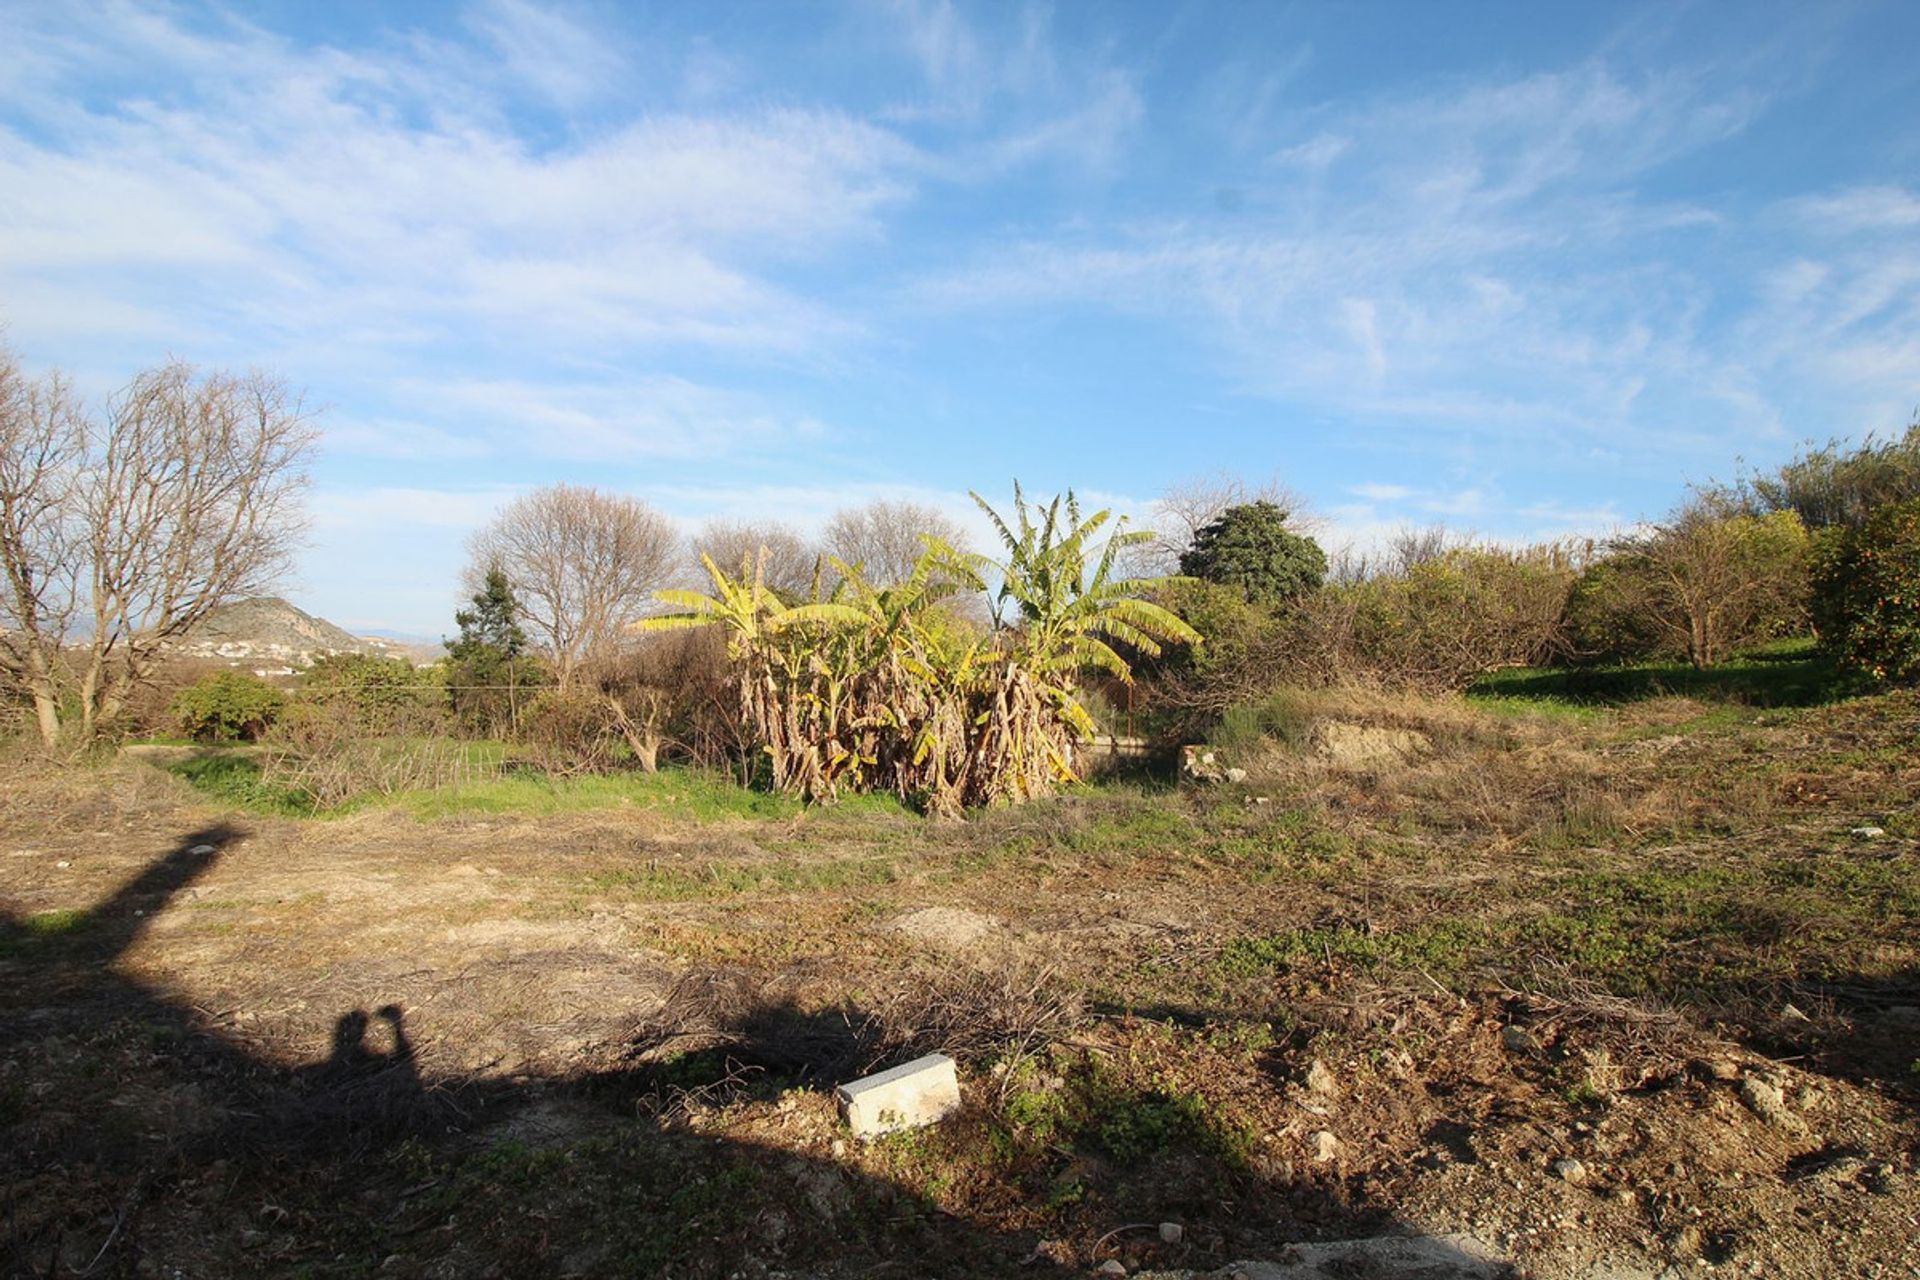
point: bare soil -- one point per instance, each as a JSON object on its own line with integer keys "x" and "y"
{"x": 1625, "y": 996}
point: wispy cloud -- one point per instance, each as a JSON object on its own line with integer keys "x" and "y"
{"x": 1493, "y": 256}
{"x": 325, "y": 185}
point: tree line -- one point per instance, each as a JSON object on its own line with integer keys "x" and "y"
{"x": 886, "y": 653}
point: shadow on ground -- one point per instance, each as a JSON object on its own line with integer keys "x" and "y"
{"x": 139, "y": 1139}
{"x": 1792, "y": 678}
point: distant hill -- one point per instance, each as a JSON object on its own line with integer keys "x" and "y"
{"x": 423, "y": 648}
{"x": 269, "y": 636}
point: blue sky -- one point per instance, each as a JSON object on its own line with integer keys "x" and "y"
{"x": 1527, "y": 269}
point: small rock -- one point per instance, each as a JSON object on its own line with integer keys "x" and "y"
{"x": 1172, "y": 1233}
{"x": 1058, "y": 1252}
{"x": 202, "y": 848}
{"x": 63, "y": 865}
{"x": 1320, "y": 1079}
{"x": 839, "y": 1147}
{"x": 1715, "y": 1068}
{"x": 1765, "y": 1098}
{"x": 1325, "y": 1146}
{"x": 1879, "y": 1179}
{"x": 1867, "y": 833}
{"x": 1262, "y": 800}
{"x": 1841, "y": 1168}
{"x": 1111, "y": 1267}
{"x": 1236, "y": 775}
{"x": 1519, "y": 1040}
{"x": 1569, "y": 1170}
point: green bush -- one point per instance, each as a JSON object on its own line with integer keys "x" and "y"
{"x": 1250, "y": 548}
{"x": 1866, "y": 593}
{"x": 228, "y": 706}
{"x": 384, "y": 695}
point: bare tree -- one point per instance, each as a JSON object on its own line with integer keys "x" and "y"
{"x": 120, "y": 534}
{"x": 791, "y": 560}
{"x": 583, "y": 563}
{"x": 42, "y": 442}
{"x": 885, "y": 539}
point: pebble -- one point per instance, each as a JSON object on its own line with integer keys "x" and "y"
{"x": 63, "y": 865}
{"x": 1567, "y": 1169}
{"x": 1867, "y": 833}
{"x": 1325, "y": 1146}
{"x": 1768, "y": 1102}
{"x": 1716, "y": 1068}
{"x": 1172, "y": 1233}
{"x": 1320, "y": 1079}
{"x": 201, "y": 848}
{"x": 1520, "y": 1040}
{"x": 1111, "y": 1267}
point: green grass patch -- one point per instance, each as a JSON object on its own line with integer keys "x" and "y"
{"x": 702, "y": 795}
{"x": 1669, "y": 932}
{"x": 54, "y": 924}
{"x": 1791, "y": 673}
{"x": 235, "y": 779}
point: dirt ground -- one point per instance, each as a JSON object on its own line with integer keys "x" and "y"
{"x": 1634, "y": 995}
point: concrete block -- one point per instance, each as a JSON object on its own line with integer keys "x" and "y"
{"x": 905, "y": 1097}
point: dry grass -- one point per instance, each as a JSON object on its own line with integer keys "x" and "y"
{"x": 1148, "y": 977}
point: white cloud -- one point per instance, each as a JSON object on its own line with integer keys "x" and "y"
{"x": 559, "y": 56}
{"x": 1316, "y": 152}
{"x": 320, "y": 187}
{"x": 1878, "y": 208}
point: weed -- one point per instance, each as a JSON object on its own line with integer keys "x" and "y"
{"x": 52, "y": 924}
{"x": 235, "y": 779}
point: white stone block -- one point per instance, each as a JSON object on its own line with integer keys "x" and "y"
{"x": 912, "y": 1094}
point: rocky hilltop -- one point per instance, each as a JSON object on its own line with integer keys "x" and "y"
{"x": 269, "y": 636}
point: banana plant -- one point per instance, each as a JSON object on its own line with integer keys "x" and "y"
{"x": 871, "y": 688}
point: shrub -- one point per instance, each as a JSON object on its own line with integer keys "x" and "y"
{"x": 1453, "y": 617}
{"x": 1866, "y": 593}
{"x": 1711, "y": 579}
{"x": 1842, "y": 485}
{"x": 1605, "y": 622}
{"x": 230, "y": 706}
{"x": 385, "y": 696}
{"x": 573, "y": 731}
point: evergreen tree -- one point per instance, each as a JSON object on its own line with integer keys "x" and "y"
{"x": 489, "y": 666}
{"x": 491, "y": 628}
{"x": 1250, "y": 547}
